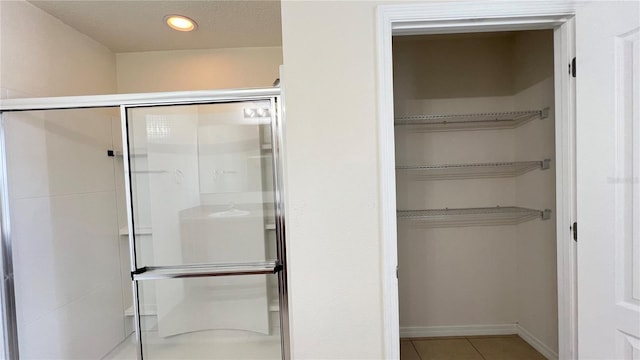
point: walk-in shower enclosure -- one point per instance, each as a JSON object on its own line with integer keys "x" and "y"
{"x": 144, "y": 226}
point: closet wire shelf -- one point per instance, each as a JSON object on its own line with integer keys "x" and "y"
{"x": 499, "y": 215}
{"x": 472, "y": 171}
{"x": 478, "y": 121}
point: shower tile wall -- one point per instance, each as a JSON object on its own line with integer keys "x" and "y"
{"x": 64, "y": 227}
{"x": 65, "y": 235}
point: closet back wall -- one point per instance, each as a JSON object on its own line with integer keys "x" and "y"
{"x": 477, "y": 277}
{"x": 454, "y": 276}
{"x": 447, "y": 66}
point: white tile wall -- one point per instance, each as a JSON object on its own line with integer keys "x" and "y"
{"x": 68, "y": 280}
{"x": 72, "y": 250}
{"x": 87, "y": 328}
{"x": 26, "y": 139}
{"x": 67, "y": 252}
{"x": 59, "y": 152}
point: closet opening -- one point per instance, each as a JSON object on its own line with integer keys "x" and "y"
{"x": 475, "y": 165}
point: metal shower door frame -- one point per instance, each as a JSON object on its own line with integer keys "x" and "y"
{"x": 125, "y": 102}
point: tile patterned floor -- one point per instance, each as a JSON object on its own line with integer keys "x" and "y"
{"x": 508, "y": 347}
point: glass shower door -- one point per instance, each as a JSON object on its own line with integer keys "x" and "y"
{"x": 206, "y": 239}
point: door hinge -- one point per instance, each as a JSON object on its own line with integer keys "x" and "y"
{"x": 574, "y": 229}
{"x": 572, "y": 67}
{"x": 396, "y": 272}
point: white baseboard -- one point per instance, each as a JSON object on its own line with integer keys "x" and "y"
{"x": 458, "y": 330}
{"x": 536, "y": 343}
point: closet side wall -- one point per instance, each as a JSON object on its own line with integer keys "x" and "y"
{"x": 537, "y": 278}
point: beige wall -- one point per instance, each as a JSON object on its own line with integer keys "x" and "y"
{"x": 198, "y": 69}
{"x": 41, "y": 56}
{"x": 334, "y": 238}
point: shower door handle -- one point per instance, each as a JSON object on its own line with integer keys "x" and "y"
{"x": 191, "y": 271}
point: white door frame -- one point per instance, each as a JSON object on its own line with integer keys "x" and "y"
{"x": 481, "y": 16}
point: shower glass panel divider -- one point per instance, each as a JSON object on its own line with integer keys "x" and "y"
{"x": 166, "y": 272}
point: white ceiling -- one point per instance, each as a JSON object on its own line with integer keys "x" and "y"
{"x": 134, "y": 25}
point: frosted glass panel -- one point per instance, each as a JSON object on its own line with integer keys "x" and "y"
{"x": 201, "y": 182}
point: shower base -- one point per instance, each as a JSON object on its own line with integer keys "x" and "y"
{"x": 201, "y": 345}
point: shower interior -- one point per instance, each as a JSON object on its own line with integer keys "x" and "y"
{"x": 201, "y": 185}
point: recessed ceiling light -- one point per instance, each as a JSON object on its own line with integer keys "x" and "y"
{"x": 180, "y": 23}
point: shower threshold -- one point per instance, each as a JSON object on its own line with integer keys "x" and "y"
{"x": 214, "y": 344}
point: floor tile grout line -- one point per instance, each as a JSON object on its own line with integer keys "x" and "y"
{"x": 416, "y": 349}
{"x": 469, "y": 338}
{"x": 475, "y": 348}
